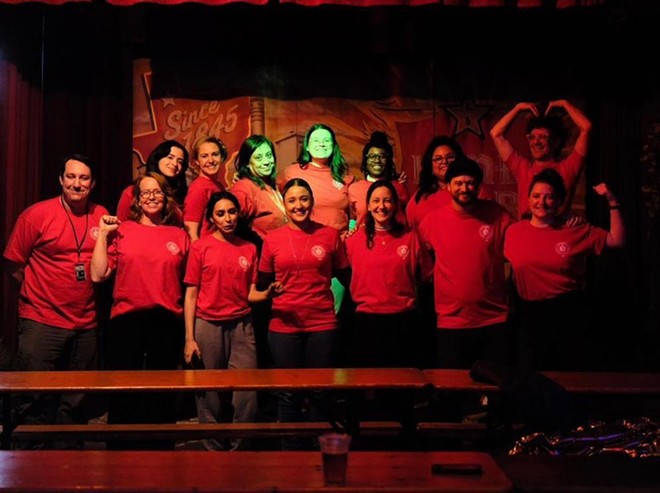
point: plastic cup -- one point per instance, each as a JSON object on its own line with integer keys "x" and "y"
{"x": 334, "y": 450}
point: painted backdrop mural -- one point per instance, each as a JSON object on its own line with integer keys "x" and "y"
{"x": 409, "y": 122}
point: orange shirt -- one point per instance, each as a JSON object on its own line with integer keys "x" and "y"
{"x": 263, "y": 209}
{"x": 330, "y": 196}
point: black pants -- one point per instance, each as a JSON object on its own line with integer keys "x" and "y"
{"x": 144, "y": 340}
{"x": 461, "y": 348}
{"x": 386, "y": 341}
{"x": 553, "y": 334}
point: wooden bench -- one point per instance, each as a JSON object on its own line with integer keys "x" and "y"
{"x": 193, "y": 431}
{"x": 585, "y": 383}
{"x": 13, "y": 383}
{"x": 600, "y": 383}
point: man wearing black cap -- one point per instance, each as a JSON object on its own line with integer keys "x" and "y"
{"x": 466, "y": 237}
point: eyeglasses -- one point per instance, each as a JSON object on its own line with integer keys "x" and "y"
{"x": 145, "y": 194}
{"x": 449, "y": 158}
{"x": 376, "y": 157}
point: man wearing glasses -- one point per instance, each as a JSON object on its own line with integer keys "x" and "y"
{"x": 544, "y": 139}
{"x": 49, "y": 253}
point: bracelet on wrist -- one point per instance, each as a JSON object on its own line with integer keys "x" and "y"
{"x": 615, "y": 207}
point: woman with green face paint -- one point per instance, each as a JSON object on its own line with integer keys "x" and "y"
{"x": 321, "y": 164}
{"x": 260, "y": 200}
{"x": 262, "y": 209}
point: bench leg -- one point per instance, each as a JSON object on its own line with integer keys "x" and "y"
{"x": 7, "y": 425}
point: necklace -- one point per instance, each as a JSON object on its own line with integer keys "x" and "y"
{"x": 296, "y": 260}
{"x": 382, "y": 236}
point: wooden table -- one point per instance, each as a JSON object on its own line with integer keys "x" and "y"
{"x": 595, "y": 474}
{"x": 100, "y": 471}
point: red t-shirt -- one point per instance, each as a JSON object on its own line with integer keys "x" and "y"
{"x": 330, "y": 196}
{"x": 469, "y": 264}
{"x": 357, "y": 197}
{"x": 416, "y": 212}
{"x": 303, "y": 263}
{"x": 150, "y": 261}
{"x": 44, "y": 242}
{"x": 263, "y": 209}
{"x": 524, "y": 170}
{"x": 223, "y": 271}
{"x": 549, "y": 261}
{"x": 194, "y": 205}
{"x": 124, "y": 206}
{"x": 383, "y": 279}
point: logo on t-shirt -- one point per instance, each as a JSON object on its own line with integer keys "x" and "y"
{"x": 403, "y": 251}
{"x": 94, "y": 232}
{"x": 244, "y": 263}
{"x": 485, "y": 232}
{"x": 318, "y": 251}
{"x": 562, "y": 248}
{"x": 172, "y": 247}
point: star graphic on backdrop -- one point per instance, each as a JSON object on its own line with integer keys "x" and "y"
{"x": 468, "y": 116}
{"x": 167, "y": 102}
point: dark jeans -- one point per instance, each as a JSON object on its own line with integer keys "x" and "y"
{"x": 553, "y": 334}
{"x": 385, "y": 341}
{"x": 43, "y": 347}
{"x": 144, "y": 340}
{"x": 303, "y": 350}
{"x": 461, "y": 348}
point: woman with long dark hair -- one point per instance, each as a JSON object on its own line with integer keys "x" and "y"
{"x": 220, "y": 280}
{"x": 431, "y": 192}
{"x": 386, "y": 261}
{"x": 170, "y": 159}
{"x": 303, "y": 256}
{"x": 261, "y": 202}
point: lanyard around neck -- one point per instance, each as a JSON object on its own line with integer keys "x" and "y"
{"x": 79, "y": 244}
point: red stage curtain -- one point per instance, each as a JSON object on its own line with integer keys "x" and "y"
{"x": 20, "y": 164}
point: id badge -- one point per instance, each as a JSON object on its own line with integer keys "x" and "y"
{"x": 79, "y": 269}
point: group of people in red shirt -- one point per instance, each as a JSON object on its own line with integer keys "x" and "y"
{"x": 193, "y": 263}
